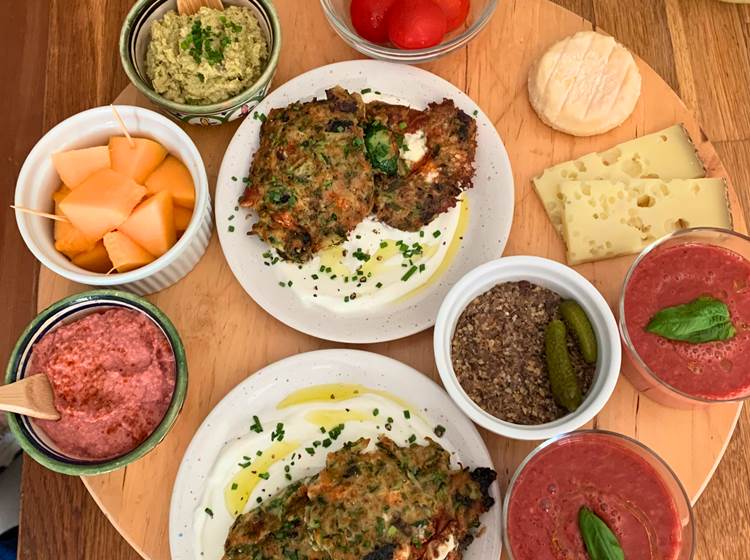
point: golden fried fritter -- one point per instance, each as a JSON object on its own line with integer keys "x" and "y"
{"x": 390, "y": 503}
{"x": 413, "y": 197}
{"x": 310, "y": 180}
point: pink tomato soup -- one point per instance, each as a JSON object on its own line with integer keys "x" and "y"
{"x": 113, "y": 375}
{"x": 595, "y": 471}
{"x": 679, "y": 274}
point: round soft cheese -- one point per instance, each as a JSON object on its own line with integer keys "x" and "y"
{"x": 585, "y": 84}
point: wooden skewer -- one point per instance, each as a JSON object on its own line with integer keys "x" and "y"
{"x": 31, "y": 396}
{"x": 122, "y": 126}
{"x": 190, "y": 7}
{"x": 40, "y": 214}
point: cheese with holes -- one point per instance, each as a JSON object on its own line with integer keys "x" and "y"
{"x": 585, "y": 84}
{"x": 604, "y": 219}
{"x": 668, "y": 154}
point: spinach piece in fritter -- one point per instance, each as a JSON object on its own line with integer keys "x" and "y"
{"x": 381, "y": 150}
{"x": 279, "y": 195}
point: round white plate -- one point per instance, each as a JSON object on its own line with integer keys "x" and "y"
{"x": 231, "y": 417}
{"x": 490, "y": 206}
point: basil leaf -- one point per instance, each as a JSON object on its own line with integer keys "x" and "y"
{"x": 705, "y": 319}
{"x": 601, "y": 543}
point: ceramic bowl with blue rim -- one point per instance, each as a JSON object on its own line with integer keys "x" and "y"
{"x": 32, "y": 439}
{"x": 136, "y": 35}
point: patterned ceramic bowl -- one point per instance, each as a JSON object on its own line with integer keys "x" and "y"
{"x": 33, "y": 441}
{"x": 134, "y": 40}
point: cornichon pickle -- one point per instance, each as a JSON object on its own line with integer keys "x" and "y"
{"x": 562, "y": 377}
{"x": 577, "y": 321}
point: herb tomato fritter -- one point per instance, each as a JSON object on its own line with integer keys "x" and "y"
{"x": 310, "y": 180}
{"x": 413, "y": 197}
{"x": 391, "y": 503}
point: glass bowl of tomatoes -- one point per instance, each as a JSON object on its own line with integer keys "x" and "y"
{"x": 408, "y": 31}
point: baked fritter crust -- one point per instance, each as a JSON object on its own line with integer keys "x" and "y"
{"x": 387, "y": 504}
{"x": 310, "y": 181}
{"x": 414, "y": 197}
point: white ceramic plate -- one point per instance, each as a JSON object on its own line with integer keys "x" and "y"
{"x": 231, "y": 417}
{"x": 490, "y": 206}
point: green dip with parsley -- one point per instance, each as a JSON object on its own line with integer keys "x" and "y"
{"x": 207, "y": 57}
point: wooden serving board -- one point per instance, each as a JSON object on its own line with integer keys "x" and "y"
{"x": 228, "y": 336}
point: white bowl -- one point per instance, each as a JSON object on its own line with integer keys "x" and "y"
{"x": 38, "y": 180}
{"x": 558, "y": 278}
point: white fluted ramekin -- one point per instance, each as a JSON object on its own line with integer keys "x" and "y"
{"x": 38, "y": 180}
{"x": 570, "y": 285}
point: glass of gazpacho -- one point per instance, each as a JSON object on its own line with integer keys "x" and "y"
{"x": 685, "y": 318}
{"x": 599, "y": 490}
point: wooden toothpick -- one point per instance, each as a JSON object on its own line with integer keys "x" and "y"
{"x": 33, "y": 212}
{"x": 122, "y": 126}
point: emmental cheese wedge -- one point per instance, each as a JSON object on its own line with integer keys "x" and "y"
{"x": 668, "y": 154}
{"x": 585, "y": 84}
{"x": 604, "y": 219}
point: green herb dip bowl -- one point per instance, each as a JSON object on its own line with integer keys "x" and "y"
{"x": 136, "y": 36}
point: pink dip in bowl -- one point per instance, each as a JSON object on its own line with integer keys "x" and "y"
{"x": 113, "y": 376}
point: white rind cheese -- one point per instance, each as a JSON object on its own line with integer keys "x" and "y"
{"x": 585, "y": 84}
{"x": 668, "y": 154}
{"x": 604, "y": 219}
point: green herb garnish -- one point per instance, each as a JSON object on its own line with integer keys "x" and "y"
{"x": 380, "y": 149}
{"x": 210, "y": 512}
{"x": 705, "y": 319}
{"x": 256, "y": 426}
{"x": 409, "y": 274}
{"x": 601, "y": 543}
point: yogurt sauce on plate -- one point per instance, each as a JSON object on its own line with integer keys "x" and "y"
{"x": 292, "y": 442}
{"x": 378, "y": 264}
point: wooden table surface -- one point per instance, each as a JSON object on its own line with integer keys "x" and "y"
{"x": 60, "y": 57}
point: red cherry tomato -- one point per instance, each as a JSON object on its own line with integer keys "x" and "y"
{"x": 416, "y": 24}
{"x": 369, "y": 18}
{"x": 455, "y": 11}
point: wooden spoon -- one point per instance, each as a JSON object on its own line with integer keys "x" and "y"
{"x": 189, "y": 7}
{"x": 31, "y": 396}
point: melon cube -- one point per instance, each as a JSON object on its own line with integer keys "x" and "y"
{"x": 125, "y": 253}
{"x": 173, "y": 176}
{"x": 182, "y": 217}
{"x": 75, "y": 166}
{"x": 137, "y": 162}
{"x": 59, "y": 194}
{"x": 95, "y": 260}
{"x": 68, "y": 240}
{"x": 151, "y": 224}
{"x": 102, "y": 202}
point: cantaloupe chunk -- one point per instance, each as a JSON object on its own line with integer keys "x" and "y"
{"x": 95, "y": 260}
{"x": 59, "y": 194}
{"x": 173, "y": 176}
{"x": 137, "y": 162}
{"x": 125, "y": 253}
{"x": 102, "y": 202}
{"x": 75, "y": 166}
{"x": 68, "y": 240}
{"x": 182, "y": 217}
{"x": 151, "y": 224}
